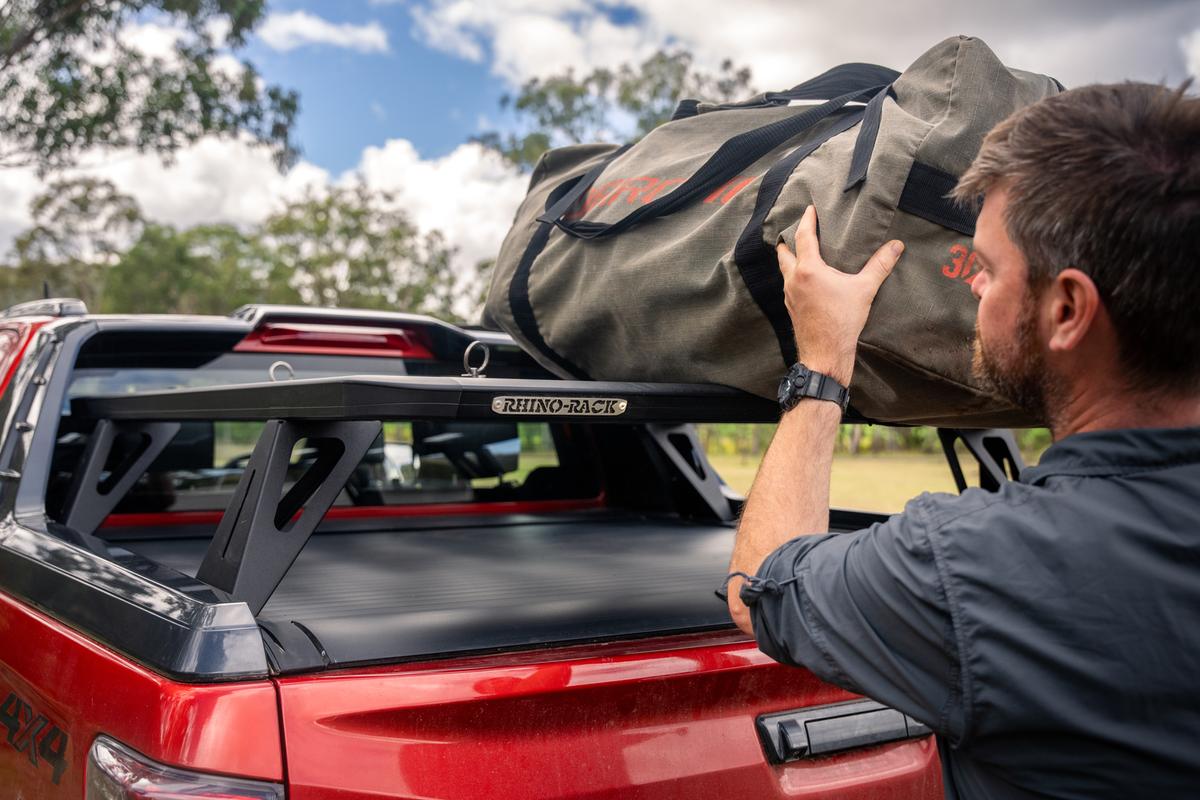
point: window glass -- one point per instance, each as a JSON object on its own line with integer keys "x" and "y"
{"x": 412, "y": 462}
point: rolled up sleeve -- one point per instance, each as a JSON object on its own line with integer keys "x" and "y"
{"x": 866, "y": 611}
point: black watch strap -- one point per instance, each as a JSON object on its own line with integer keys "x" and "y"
{"x": 801, "y": 382}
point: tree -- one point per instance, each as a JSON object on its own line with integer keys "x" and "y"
{"x": 72, "y": 80}
{"x": 352, "y": 248}
{"x": 210, "y": 269}
{"x": 80, "y": 227}
{"x": 564, "y": 109}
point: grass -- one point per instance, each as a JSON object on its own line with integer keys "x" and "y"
{"x": 883, "y": 482}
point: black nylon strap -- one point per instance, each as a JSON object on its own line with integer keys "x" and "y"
{"x": 836, "y": 81}
{"x": 686, "y": 108}
{"x": 756, "y": 260}
{"x": 518, "y": 288}
{"x": 925, "y": 195}
{"x": 731, "y": 157}
{"x": 864, "y": 145}
{"x": 577, "y": 190}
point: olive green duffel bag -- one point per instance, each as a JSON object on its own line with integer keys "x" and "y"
{"x": 656, "y": 261}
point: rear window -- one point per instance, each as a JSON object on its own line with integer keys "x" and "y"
{"x": 411, "y": 463}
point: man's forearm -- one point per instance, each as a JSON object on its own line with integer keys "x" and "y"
{"x": 828, "y": 309}
{"x": 790, "y": 495}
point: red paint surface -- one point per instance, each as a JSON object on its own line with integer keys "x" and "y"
{"x": 86, "y": 689}
{"x": 25, "y": 331}
{"x": 344, "y": 340}
{"x": 172, "y": 518}
{"x": 658, "y": 718}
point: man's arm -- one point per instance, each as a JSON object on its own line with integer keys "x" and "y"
{"x": 790, "y": 495}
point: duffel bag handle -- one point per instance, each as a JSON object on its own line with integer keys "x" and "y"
{"x": 833, "y": 82}
{"x": 840, "y": 80}
{"x": 727, "y": 162}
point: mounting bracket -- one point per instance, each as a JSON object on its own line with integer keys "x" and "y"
{"x": 994, "y": 449}
{"x": 265, "y": 527}
{"x": 683, "y": 448}
{"x": 93, "y": 495}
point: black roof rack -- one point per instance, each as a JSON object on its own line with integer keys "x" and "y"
{"x": 377, "y": 397}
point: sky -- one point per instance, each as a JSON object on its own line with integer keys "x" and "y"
{"x": 392, "y": 90}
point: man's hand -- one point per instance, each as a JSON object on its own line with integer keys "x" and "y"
{"x": 829, "y": 308}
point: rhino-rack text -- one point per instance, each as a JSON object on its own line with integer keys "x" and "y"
{"x": 561, "y": 406}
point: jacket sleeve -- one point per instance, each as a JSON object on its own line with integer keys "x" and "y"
{"x": 866, "y": 611}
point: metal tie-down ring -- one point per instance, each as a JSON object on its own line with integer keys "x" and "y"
{"x": 475, "y": 372}
{"x": 291, "y": 373}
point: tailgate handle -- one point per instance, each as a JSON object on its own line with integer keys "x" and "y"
{"x": 808, "y": 732}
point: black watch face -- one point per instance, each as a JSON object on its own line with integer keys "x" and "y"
{"x": 792, "y": 383}
{"x": 785, "y": 388}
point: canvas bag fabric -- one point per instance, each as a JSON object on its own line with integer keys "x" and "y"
{"x": 656, "y": 261}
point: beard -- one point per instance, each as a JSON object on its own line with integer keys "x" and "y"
{"x": 1016, "y": 369}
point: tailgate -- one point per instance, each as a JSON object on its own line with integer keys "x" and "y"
{"x": 662, "y": 718}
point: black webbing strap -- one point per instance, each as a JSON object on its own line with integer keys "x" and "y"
{"x": 925, "y": 195}
{"x": 833, "y": 81}
{"x": 864, "y": 145}
{"x": 564, "y": 195}
{"x": 756, "y": 259}
{"x": 733, "y": 156}
{"x": 686, "y": 108}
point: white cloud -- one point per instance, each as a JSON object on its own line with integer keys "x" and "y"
{"x": 440, "y": 32}
{"x": 1077, "y": 41}
{"x": 18, "y": 187}
{"x": 299, "y": 28}
{"x": 213, "y": 180}
{"x": 1191, "y": 52}
{"x": 469, "y": 195}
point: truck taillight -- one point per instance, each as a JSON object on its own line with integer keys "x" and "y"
{"x": 347, "y": 340}
{"x": 114, "y": 772}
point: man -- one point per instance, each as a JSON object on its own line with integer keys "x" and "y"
{"x": 1049, "y": 633}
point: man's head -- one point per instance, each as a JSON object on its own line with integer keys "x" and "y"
{"x": 1089, "y": 243}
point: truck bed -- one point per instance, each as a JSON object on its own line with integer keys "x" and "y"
{"x": 388, "y": 594}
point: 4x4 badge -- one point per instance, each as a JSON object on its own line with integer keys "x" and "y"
{"x": 34, "y": 735}
{"x": 560, "y": 406}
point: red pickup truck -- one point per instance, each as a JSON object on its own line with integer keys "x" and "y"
{"x": 294, "y": 553}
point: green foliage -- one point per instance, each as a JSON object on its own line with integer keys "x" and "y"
{"x": 565, "y": 109}
{"x": 206, "y": 270}
{"x": 80, "y": 226}
{"x": 70, "y": 81}
{"x": 351, "y": 248}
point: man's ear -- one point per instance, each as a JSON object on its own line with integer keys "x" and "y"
{"x": 1074, "y": 307}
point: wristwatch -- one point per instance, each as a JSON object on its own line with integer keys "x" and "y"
{"x": 801, "y": 382}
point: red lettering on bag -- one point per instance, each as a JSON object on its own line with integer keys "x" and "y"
{"x": 644, "y": 189}
{"x": 962, "y": 263}
{"x": 728, "y": 190}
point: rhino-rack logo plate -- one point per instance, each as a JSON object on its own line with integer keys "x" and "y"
{"x": 561, "y": 406}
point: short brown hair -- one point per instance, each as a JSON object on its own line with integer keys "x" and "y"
{"x": 1106, "y": 179}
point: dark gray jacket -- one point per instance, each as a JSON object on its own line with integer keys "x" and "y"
{"x": 1049, "y": 633}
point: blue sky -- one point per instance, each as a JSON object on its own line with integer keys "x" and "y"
{"x": 352, "y": 99}
{"x": 436, "y": 98}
